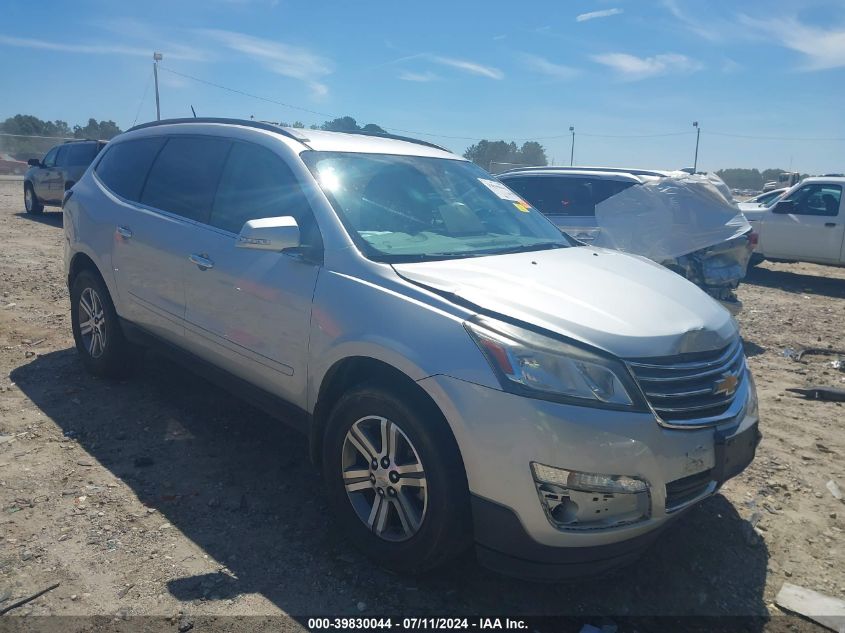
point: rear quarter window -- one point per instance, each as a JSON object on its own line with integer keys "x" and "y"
{"x": 124, "y": 166}
{"x": 81, "y": 154}
{"x": 184, "y": 177}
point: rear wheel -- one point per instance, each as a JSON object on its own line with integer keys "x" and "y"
{"x": 396, "y": 480}
{"x": 756, "y": 260}
{"x": 30, "y": 200}
{"x": 96, "y": 330}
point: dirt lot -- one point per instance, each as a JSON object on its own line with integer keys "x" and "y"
{"x": 163, "y": 494}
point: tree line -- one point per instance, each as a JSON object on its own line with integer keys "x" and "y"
{"x": 29, "y": 127}
{"x": 740, "y": 178}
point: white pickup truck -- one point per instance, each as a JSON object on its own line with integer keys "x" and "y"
{"x": 807, "y": 224}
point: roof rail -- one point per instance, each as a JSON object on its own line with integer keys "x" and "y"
{"x": 618, "y": 170}
{"x": 262, "y": 125}
{"x": 254, "y": 124}
{"x": 83, "y": 140}
{"x": 397, "y": 137}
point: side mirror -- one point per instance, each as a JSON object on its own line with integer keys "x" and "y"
{"x": 784, "y": 206}
{"x": 269, "y": 234}
{"x": 33, "y": 162}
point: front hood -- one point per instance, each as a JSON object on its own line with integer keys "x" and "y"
{"x": 626, "y": 305}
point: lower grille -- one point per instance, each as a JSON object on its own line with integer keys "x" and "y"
{"x": 684, "y": 490}
{"x": 690, "y": 387}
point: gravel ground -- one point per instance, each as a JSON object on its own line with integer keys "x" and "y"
{"x": 163, "y": 494}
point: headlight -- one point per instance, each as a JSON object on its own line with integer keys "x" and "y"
{"x": 535, "y": 365}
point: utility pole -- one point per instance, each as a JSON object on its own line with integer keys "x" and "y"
{"x": 572, "y": 148}
{"x": 697, "y": 136}
{"x": 156, "y": 59}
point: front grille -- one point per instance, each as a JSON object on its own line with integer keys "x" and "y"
{"x": 682, "y": 491}
{"x": 690, "y": 388}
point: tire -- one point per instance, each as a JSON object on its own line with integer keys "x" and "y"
{"x": 436, "y": 523}
{"x": 30, "y": 200}
{"x": 104, "y": 350}
{"x": 755, "y": 260}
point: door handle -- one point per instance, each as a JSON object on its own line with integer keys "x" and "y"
{"x": 830, "y": 223}
{"x": 202, "y": 262}
{"x": 124, "y": 231}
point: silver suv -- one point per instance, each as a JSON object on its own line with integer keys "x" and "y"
{"x": 465, "y": 372}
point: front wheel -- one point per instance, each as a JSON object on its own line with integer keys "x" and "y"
{"x": 30, "y": 200}
{"x": 395, "y": 479}
{"x": 96, "y": 331}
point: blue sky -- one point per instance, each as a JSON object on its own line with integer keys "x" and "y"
{"x": 614, "y": 69}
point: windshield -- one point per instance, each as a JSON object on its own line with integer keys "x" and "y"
{"x": 412, "y": 208}
{"x": 771, "y": 200}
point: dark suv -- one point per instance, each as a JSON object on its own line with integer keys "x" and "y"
{"x": 47, "y": 179}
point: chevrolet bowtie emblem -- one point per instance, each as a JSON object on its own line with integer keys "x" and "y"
{"x": 726, "y": 385}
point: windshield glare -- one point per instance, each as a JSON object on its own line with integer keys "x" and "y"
{"x": 407, "y": 208}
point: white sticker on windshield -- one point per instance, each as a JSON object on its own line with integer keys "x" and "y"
{"x": 500, "y": 190}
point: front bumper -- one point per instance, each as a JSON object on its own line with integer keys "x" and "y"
{"x": 500, "y": 434}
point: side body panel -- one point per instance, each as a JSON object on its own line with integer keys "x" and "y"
{"x": 251, "y": 312}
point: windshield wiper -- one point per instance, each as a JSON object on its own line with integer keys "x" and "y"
{"x": 540, "y": 246}
{"x": 422, "y": 257}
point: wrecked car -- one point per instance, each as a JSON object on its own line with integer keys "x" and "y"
{"x": 686, "y": 222}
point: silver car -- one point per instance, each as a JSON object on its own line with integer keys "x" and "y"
{"x": 466, "y": 374}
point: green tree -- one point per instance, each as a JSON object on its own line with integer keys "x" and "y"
{"x": 498, "y": 156}
{"x": 102, "y": 130}
{"x": 341, "y": 124}
{"x": 372, "y": 128}
{"x": 740, "y": 178}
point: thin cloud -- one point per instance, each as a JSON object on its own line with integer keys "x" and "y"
{"x": 278, "y": 57}
{"x": 150, "y": 37}
{"x": 592, "y": 15}
{"x": 822, "y": 48}
{"x": 469, "y": 67}
{"x": 543, "y": 66}
{"x": 419, "y": 77}
{"x": 633, "y": 68}
{"x": 88, "y": 49}
{"x": 714, "y": 32}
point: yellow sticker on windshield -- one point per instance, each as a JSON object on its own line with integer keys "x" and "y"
{"x": 522, "y": 206}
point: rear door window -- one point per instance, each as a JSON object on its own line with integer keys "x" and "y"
{"x": 81, "y": 154}
{"x": 183, "y": 179}
{"x": 256, "y": 183}
{"x": 124, "y": 166}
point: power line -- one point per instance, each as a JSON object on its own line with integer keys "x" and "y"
{"x": 143, "y": 98}
{"x": 478, "y": 138}
{"x": 395, "y": 129}
{"x": 61, "y": 138}
{"x": 776, "y": 138}
{"x": 661, "y": 135}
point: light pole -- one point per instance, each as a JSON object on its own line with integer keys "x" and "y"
{"x": 156, "y": 59}
{"x": 572, "y": 148}
{"x": 697, "y": 136}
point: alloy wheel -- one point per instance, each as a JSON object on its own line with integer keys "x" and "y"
{"x": 384, "y": 478}
{"x": 92, "y": 323}
{"x": 27, "y": 198}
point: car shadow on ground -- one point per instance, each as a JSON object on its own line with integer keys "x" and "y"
{"x": 796, "y": 282}
{"x": 239, "y": 484}
{"x": 50, "y": 217}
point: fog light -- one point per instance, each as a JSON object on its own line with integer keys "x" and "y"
{"x": 574, "y": 500}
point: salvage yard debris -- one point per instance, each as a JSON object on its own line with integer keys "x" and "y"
{"x": 828, "y": 394}
{"x": 827, "y": 611}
